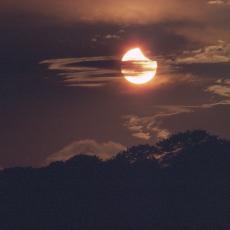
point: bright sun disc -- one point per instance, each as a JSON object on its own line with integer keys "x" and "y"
{"x": 134, "y": 55}
{"x": 137, "y": 68}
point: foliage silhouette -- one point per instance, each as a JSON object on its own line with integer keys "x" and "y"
{"x": 180, "y": 183}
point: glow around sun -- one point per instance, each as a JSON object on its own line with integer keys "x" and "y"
{"x": 137, "y": 68}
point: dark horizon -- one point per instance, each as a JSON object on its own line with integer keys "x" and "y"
{"x": 179, "y": 183}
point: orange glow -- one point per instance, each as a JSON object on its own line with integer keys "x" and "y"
{"x": 139, "y": 69}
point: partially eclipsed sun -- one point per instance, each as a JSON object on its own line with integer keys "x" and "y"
{"x": 137, "y": 68}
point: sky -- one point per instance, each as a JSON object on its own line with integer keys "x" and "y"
{"x": 61, "y": 88}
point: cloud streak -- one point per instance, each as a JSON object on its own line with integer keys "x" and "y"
{"x": 219, "y": 2}
{"x": 151, "y": 127}
{"x": 221, "y": 88}
{"x": 93, "y": 72}
{"x": 104, "y": 151}
{"x": 218, "y": 53}
{"x": 77, "y": 72}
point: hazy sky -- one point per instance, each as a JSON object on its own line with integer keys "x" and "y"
{"x": 61, "y": 90}
{"x": 129, "y": 11}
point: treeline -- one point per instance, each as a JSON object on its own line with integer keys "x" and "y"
{"x": 180, "y": 183}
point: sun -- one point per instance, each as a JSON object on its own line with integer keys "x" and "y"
{"x": 134, "y": 55}
{"x": 137, "y": 68}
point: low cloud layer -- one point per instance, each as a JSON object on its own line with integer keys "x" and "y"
{"x": 104, "y": 151}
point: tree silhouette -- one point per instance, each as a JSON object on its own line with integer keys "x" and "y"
{"x": 182, "y": 182}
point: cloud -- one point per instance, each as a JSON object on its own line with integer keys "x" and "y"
{"x": 151, "y": 127}
{"x": 142, "y": 135}
{"x": 221, "y": 88}
{"x": 91, "y": 72}
{"x": 112, "y": 36}
{"x": 104, "y": 151}
{"x": 219, "y": 2}
{"x": 217, "y": 53}
{"x": 77, "y": 72}
{"x": 195, "y": 21}
{"x": 109, "y": 10}
{"x": 101, "y": 38}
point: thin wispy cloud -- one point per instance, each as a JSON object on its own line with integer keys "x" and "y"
{"x": 152, "y": 127}
{"x": 217, "y": 53}
{"x": 77, "y": 72}
{"x": 104, "y": 150}
{"x": 221, "y": 88}
{"x": 219, "y": 2}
